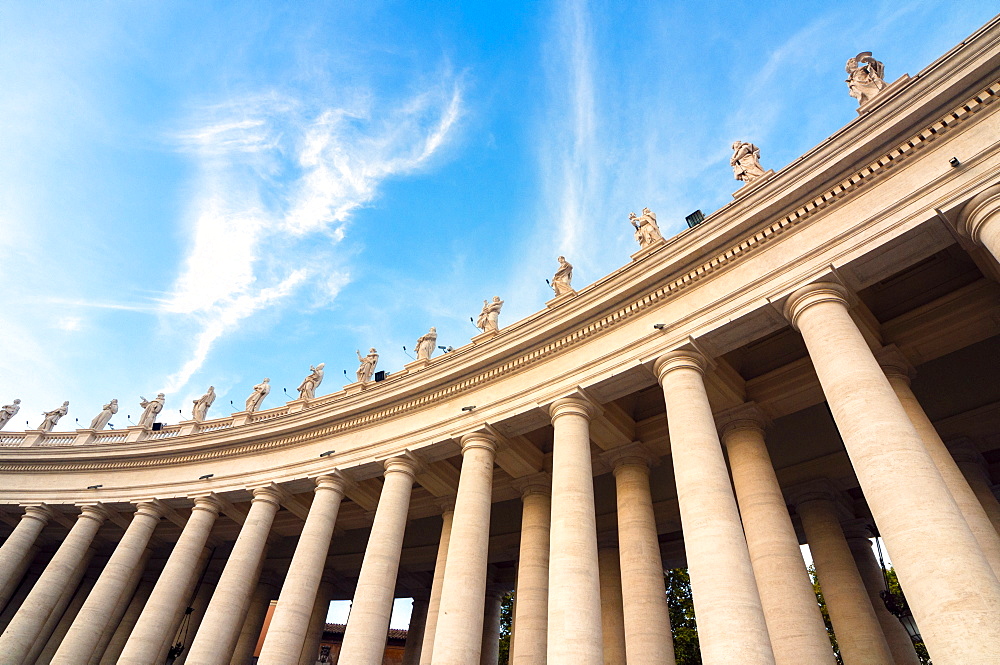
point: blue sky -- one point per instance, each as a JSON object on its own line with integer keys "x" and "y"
{"x": 198, "y": 193}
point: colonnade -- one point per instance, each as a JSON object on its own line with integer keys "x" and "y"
{"x": 581, "y": 601}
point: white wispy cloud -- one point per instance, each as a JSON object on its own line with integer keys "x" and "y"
{"x": 278, "y": 182}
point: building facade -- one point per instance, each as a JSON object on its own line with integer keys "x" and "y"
{"x": 817, "y": 359}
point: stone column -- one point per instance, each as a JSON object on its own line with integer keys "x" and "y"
{"x": 532, "y": 605}
{"x": 794, "y": 622}
{"x": 980, "y": 221}
{"x": 489, "y": 652}
{"x": 859, "y": 634}
{"x": 900, "y": 644}
{"x": 574, "y": 589}
{"x": 117, "y": 614}
{"x": 59, "y": 610}
{"x": 459, "y": 632}
{"x": 220, "y": 628}
{"x": 127, "y": 623}
{"x": 155, "y": 627}
{"x": 287, "y": 631}
{"x": 974, "y": 468}
{"x": 317, "y": 624}
{"x": 83, "y": 636}
{"x": 950, "y": 586}
{"x": 898, "y": 370}
{"x": 612, "y": 607}
{"x": 260, "y": 603}
{"x": 27, "y": 624}
{"x": 415, "y": 632}
{"x": 49, "y": 641}
{"x": 368, "y": 624}
{"x": 195, "y": 609}
{"x": 728, "y": 607}
{"x": 648, "y": 638}
{"x": 434, "y": 604}
{"x": 15, "y": 555}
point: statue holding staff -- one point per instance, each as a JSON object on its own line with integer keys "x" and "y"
{"x": 260, "y": 391}
{"x": 150, "y": 409}
{"x": 102, "y": 419}
{"x": 8, "y": 411}
{"x": 489, "y": 318}
{"x": 307, "y": 389}
{"x": 367, "y": 366}
{"x": 426, "y": 344}
{"x": 647, "y": 231}
{"x": 52, "y": 417}
{"x": 202, "y": 404}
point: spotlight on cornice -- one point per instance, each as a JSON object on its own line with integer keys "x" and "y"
{"x": 659, "y": 326}
{"x": 327, "y": 453}
{"x": 94, "y": 487}
{"x": 954, "y": 162}
{"x": 468, "y": 408}
{"x": 206, "y": 476}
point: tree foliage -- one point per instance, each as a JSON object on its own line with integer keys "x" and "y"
{"x": 506, "y": 621}
{"x": 681, "y": 604}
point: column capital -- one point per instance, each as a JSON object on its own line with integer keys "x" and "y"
{"x": 208, "y": 502}
{"x": 482, "y": 440}
{"x": 577, "y": 406}
{"x": 680, "y": 359}
{"x": 631, "y": 454}
{"x": 404, "y": 463}
{"x": 94, "y": 511}
{"x": 894, "y": 363}
{"x": 981, "y": 209}
{"x": 269, "y": 493}
{"x": 812, "y": 294}
{"x": 748, "y": 416}
{"x": 536, "y": 483}
{"x": 149, "y": 508}
{"x": 964, "y": 449}
{"x": 446, "y": 504}
{"x": 495, "y": 590}
{"x": 858, "y": 529}
{"x": 40, "y": 512}
{"x": 820, "y": 489}
{"x": 334, "y": 480}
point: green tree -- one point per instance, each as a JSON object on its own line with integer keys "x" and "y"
{"x": 681, "y": 604}
{"x": 506, "y": 621}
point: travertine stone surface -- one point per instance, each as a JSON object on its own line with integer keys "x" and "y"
{"x": 859, "y": 634}
{"x": 434, "y": 604}
{"x": 798, "y": 634}
{"x": 155, "y": 626}
{"x": 574, "y": 591}
{"x": 85, "y": 632}
{"x": 729, "y": 611}
{"x": 256, "y": 613}
{"x": 415, "y": 631}
{"x": 364, "y": 638}
{"x": 317, "y": 622}
{"x": 125, "y": 624}
{"x": 490, "y": 649}
{"x": 290, "y": 621}
{"x": 612, "y": 615}
{"x": 117, "y": 614}
{"x": 980, "y": 219}
{"x": 17, "y": 640}
{"x": 973, "y": 467}
{"x": 647, "y": 620}
{"x": 531, "y": 608}
{"x": 953, "y": 592}
{"x": 458, "y": 635}
{"x": 17, "y": 549}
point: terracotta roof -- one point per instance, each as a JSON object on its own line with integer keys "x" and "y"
{"x": 338, "y": 628}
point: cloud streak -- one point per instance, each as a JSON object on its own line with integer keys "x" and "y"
{"x": 278, "y": 182}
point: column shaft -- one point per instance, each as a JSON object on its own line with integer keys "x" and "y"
{"x": 127, "y": 623}
{"x": 794, "y": 622}
{"x": 368, "y": 624}
{"x": 489, "y": 652}
{"x": 317, "y": 624}
{"x": 648, "y": 638}
{"x": 69, "y": 592}
{"x": 257, "y": 609}
{"x": 434, "y": 604}
{"x": 27, "y": 624}
{"x": 458, "y": 635}
{"x": 728, "y": 607}
{"x": 287, "y": 631}
{"x": 973, "y": 467}
{"x": 574, "y": 587}
{"x": 220, "y": 628}
{"x": 49, "y": 641}
{"x": 118, "y": 613}
{"x": 612, "y": 607}
{"x": 83, "y": 636}
{"x": 17, "y": 550}
{"x": 532, "y": 604}
{"x": 415, "y": 632}
{"x": 950, "y": 586}
{"x": 156, "y": 624}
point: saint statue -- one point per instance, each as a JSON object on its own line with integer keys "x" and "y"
{"x": 561, "y": 281}
{"x": 864, "y": 77}
{"x": 151, "y": 408}
{"x": 202, "y": 404}
{"x": 102, "y": 419}
{"x": 260, "y": 391}
{"x": 367, "y": 367}
{"x": 746, "y": 162}
{"x": 9, "y": 411}
{"x": 426, "y": 345}
{"x": 646, "y": 229}
{"x": 307, "y": 389}
{"x": 489, "y": 318}
{"x": 52, "y": 417}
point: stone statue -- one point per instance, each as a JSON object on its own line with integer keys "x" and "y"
{"x": 646, "y": 229}
{"x": 561, "y": 281}
{"x": 307, "y": 389}
{"x": 864, "y": 77}
{"x": 52, "y": 417}
{"x": 746, "y": 162}
{"x": 9, "y": 411}
{"x": 102, "y": 419}
{"x": 426, "y": 345}
{"x": 202, "y": 404}
{"x": 260, "y": 391}
{"x": 489, "y": 318}
{"x": 151, "y": 408}
{"x": 367, "y": 367}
